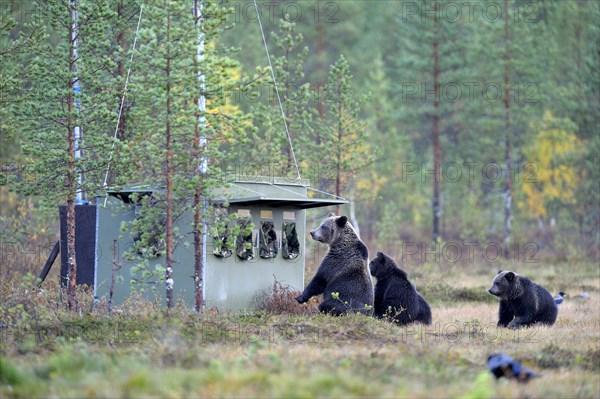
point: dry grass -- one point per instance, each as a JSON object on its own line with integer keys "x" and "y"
{"x": 281, "y": 299}
{"x": 140, "y": 350}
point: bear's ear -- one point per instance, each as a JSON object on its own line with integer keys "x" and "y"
{"x": 499, "y": 271}
{"x": 510, "y": 276}
{"x": 341, "y": 221}
{"x": 331, "y": 214}
{"x": 379, "y": 254}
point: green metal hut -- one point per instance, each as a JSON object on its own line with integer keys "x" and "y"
{"x": 232, "y": 279}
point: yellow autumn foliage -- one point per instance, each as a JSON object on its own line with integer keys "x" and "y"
{"x": 369, "y": 184}
{"x": 233, "y": 75}
{"x": 230, "y": 76}
{"x": 552, "y": 153}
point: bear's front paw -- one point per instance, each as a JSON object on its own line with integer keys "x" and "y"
{"x": 301, "y": 299}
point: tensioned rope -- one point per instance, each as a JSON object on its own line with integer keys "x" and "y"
{"x": 287, "y": 130}
{"x": 325, "y": 192}
{"x": 137, "y": 29}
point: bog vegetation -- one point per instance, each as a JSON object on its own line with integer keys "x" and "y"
{"x": 288, "y": 350}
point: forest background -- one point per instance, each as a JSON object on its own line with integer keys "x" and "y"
{"x": 501, "y": 96}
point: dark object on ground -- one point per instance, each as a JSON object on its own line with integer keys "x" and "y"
{"x": 502, "y": 365}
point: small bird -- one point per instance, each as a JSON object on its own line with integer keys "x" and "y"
{"x": 559, "y": 298}
{"x": 582, "y": 295}
{"x": 502, "y": 365}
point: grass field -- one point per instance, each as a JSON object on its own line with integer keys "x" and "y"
{"x": 141, "y": 351}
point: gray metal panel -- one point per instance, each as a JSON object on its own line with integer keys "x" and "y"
{"x": 234, "y": 284}
{"x": 109, "y": 227}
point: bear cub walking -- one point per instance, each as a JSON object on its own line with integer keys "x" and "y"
{"x": 395, "y": 296}
{"x": 522, "y": 302}
{"x": 343, "y": 277}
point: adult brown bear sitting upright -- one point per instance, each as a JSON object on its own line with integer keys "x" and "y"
{"x": 522, "y": 302}
{"x": 343, "y": 277}
{"x": 395, "y": 297}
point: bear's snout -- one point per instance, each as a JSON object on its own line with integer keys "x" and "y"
{"x": 315, "y": 234}
{"x": 372, "y": 269}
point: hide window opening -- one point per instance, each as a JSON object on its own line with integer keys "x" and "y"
{"x": 222, "y": 235}
{"x": 243, "y": 241}
{"x": 290, "y": 245}
{"x": 267, "y": 236}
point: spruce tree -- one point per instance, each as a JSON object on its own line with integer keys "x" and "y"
{"x": 344, "y": 134}
{"x": 63, "y": 76}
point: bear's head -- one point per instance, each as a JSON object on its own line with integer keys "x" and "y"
{"x": 383, "y": 265}
{"x": 505, "y": 284}
{"x": 330, "y": 229}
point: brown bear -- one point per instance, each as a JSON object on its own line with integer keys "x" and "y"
{"x": 522, "y": 302}
{"x": 342, "y": 277}
{"x": 395, "y": 297}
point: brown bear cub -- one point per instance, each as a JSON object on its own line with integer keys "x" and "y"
{"x": 395, "y": 297}
{"x": 343, "y": 277}
{"x": 522, "y": 302}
